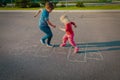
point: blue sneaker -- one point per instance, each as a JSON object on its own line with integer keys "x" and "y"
{"x": 42, "y": 41}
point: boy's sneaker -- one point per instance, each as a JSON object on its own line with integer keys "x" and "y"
{"x": 42, "y": 41}
{"x": 50, "y": 45}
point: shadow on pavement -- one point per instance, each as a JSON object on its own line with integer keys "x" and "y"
{"x": 93, "y": 47}
{"x": 103, "y": 46}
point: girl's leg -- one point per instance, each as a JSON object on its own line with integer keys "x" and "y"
{"x": 64, "y": 40}
{"x": 76, "y": 49}
{"x": 72, "y": 42}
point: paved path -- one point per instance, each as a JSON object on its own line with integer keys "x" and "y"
{"x": 22, "y": 57}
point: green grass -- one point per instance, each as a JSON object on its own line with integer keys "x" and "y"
{"x": 15, "y": 8}
{"x": 103, "y": 7}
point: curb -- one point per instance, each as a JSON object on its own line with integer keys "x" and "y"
{"x": 62, "y": 10}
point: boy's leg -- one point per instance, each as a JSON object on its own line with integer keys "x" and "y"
{"x": 48, "y": 35}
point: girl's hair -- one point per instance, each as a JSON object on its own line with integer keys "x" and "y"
{"x": 64, "y": 18}
{"x": 49, "y": 5}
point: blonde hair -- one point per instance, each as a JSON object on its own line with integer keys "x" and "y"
{"x": 64, "y": 19}
{"x": 49, "y": 5}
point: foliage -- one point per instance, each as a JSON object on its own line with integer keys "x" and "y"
{"x": 105, "y": 0}
{"x": 80, "y": 4}
{"x": 22, "y": 3}
{"x": 31, "y": 5}
{"x": 3, "y": 3}
{"x": 44, "y": 1}
{"x": 62, "y": 4}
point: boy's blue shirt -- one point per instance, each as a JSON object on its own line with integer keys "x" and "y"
{"x": 44, "y": 17}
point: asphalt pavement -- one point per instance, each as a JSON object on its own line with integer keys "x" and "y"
{"x": 23, "y": 57}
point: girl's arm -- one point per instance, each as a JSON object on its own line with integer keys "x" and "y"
{"x": 38, "y": 13}
{"x": 51, "y": 24}
{"x": 62, "y": 29}
{"x": 73, "y": 24}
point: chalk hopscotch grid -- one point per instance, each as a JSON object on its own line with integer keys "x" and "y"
{"x": 85, "y": 56}
{"x": 95, "y": 55}
{"x": 73, "y": 57}
{"x": 44, "y": 51}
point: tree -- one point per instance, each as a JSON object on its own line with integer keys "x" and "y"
{"x": 54, "y": 1}
{"x": 44, "y": 1}
{"x": 3, "y": 3}
{"x": 22, "y": 3}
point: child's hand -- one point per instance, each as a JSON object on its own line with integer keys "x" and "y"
{"x": 75, "y": 26}
{"x": 35, "y": 16}
{"x": 38, "y": 13}
{"x": 62, "y": 29}
{"x": 54, "y": 26}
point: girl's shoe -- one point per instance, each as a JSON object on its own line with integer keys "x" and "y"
{"x": 62, "y": 45}
{"x": 76, "y": 49}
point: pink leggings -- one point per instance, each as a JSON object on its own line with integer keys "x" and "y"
{"x": 69, "y": 38}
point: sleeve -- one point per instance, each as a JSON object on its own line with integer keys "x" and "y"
{"x": 72, "y": 23}
{"x": 46, "y": 16}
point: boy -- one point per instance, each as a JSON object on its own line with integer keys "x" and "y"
{"x": 44, "y": 23}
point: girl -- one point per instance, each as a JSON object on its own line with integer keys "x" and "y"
{"x": 44, "y": 23}
{"x": 69, "y": 35}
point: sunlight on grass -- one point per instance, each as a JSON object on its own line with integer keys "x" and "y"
{"x": 104, "y": 7}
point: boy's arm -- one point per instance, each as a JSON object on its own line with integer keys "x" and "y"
{"x": 38, "y": 13}
{"x": 51, "y": 24}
